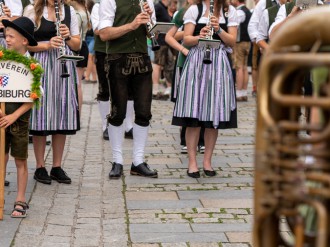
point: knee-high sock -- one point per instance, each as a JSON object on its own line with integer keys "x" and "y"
{"x": 129, "y": 115}
{"x": 140, "y": 136}
{"x": 104, "y": 108}
{"x": 116, "y": 136}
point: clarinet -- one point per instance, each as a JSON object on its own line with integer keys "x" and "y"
{"x": 207, "y": 56}
{"x": 61, "y": 49}
{"x": 151, "y": 35}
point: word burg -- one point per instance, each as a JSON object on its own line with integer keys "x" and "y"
{"x": 15, "y": 93}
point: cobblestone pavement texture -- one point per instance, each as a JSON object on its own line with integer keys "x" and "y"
{"x": 171, "y": 211}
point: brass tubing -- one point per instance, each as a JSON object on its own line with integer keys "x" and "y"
{"x": 299, "y": 232}
{"x": 319, "y": 177}
{"x": 322, "y": 229}
{"x": 295, "y": 100}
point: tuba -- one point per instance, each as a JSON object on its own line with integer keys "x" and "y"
{"x": 292, "y": 158}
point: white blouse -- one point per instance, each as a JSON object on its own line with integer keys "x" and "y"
{"x": 74, "y": 28}
{"x": 192, "y": 12}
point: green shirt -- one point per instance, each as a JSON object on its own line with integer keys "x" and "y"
{"x": 178, "y": 22}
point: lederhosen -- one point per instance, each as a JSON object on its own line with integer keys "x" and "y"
{"x": 129, "y": 72}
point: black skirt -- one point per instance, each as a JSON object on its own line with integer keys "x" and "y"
{"x": 194, "y": 122}
{"x": 83, "y": 52}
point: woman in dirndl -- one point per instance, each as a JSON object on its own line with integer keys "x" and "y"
{"x": 206, "y": 92}
{"x": 58, "y": 114}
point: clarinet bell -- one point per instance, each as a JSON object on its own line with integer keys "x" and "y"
{"x": 65, "y": 73}
{"x": 154, "y": 44}
{"x": 207, "y": 56}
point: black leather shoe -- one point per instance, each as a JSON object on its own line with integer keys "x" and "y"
{"x": 210, "y": 173}
{"x": 7, "y": 183}
{"x": 129, "y": 134}
{"x": 193, "y": 174}
{"x": 143, "y": 170}
{"x": 58, "y": 174}
{"x": 41, "y": 175}
{"x": 106, "y": 135}
{"x": 116, "y": 171}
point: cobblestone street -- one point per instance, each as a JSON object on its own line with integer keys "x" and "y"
{"x": 171, "y": 211}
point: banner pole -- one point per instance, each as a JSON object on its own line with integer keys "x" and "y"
{"x": 2, "y": 165}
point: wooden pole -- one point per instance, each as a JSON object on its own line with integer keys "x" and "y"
{"x": 2, "y": 165}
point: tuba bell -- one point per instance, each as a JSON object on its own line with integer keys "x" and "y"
{"x": 292, "y": 157}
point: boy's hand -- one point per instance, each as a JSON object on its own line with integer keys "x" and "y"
{"x": 7, "y": 120}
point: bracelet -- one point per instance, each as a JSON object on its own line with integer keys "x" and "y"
{"x": 182, "y": 49}
{"x": 68, "y": 38}
{"x": 219, "y": 31}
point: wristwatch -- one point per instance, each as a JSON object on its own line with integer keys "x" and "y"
{"x": 219, "y": 31}
{"x": 68, "y": 38}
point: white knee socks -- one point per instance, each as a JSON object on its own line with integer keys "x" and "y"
{"x": 129, "y": 115}
{"x": 140, "y": 136}
{"x": 104, "y": 108}
{"x": 116, "y": 135}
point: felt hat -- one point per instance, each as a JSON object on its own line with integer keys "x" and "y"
{"x": 24, "y": 26}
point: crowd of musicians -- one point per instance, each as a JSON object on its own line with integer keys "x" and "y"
{"x": 112, "y": 36}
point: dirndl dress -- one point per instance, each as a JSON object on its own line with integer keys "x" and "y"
{"x": 58, "y": 112}
{"x": 206, "y": 92}
{"x": 3, "y": 42}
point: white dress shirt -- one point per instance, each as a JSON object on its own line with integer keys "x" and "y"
{"x": 15, "y": 6}
{"x": 95, "y": 16}
{"x": 263, "y": 26}
{"x": 281, "y": 15}
{"x": 107, "y": 11}
{"x": 255, "y": 19}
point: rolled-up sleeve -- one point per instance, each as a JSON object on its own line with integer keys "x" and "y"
{"x": 263, "y": 27}
{"x": 95, "y": 16}
{"x": 107, "y": 13}
{"x": 255, "y": 18}
{"x": 281, "y": 15}
{"x": 15, "y": 7}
